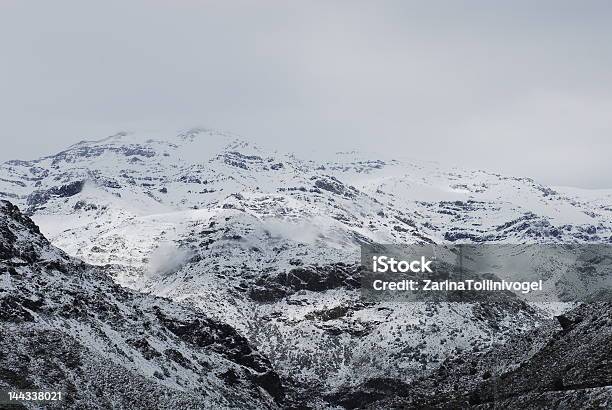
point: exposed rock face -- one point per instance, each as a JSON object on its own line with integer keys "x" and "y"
{"x": 64, "y": 325}
{"x": 311, "y": 278}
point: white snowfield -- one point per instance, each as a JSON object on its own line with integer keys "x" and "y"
{"x": 210, "y": 219}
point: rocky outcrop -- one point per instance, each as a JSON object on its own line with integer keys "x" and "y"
{"x": 311, "y": 278}
{"x": 38, "y": 199}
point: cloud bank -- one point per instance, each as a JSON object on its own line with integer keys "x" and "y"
{"x": 519, "y": 87}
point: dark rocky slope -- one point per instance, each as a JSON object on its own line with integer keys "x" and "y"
{"x": 566, "y": 363}
{"x": 64, "y": 325}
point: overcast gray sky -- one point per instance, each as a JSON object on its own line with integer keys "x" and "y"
{"x": 518, "y": 87}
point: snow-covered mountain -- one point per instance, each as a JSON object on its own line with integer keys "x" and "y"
{"x": 269, "y": 243}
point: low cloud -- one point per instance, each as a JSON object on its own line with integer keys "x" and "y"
{"x": 167, "y": 258}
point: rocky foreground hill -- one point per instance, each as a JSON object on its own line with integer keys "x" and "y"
{"x": 266, "y": 246}
{"x": 65, "y": 326}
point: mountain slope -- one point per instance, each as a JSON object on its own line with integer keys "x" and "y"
{"x": 66, "y": 326}
{"x": 563, "y": 364}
